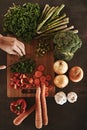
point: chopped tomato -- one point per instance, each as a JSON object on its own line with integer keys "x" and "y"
{"x": 28, "y": 86}
{"x": 38, "y": 74}
{"x": 24, "y": 76}
{"x": 21, "y": 81}
{"x": 31, "y": 80}
{"x": 16, "y": 74}
{"x": 24, "y": 81}
{"x": 15, "y": 86}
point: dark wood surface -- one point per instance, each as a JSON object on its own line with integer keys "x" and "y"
{"x": 68, "y": 116}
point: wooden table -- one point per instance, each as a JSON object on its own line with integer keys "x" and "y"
{"x": 68, "y": 116}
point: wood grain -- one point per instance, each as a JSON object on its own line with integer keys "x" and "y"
{"x": 47, "y": 60}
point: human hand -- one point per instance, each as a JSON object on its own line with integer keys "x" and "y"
{"x": 12, "y": 45}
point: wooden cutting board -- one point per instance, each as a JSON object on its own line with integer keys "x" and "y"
{"x": 47, "y": 60}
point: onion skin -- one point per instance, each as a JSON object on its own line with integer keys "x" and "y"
{"x": 61, "y": 81}
{"x": 76, "y": 74}
{"x": 60, "y": 67}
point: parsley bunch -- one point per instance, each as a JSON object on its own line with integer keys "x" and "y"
{"x": 21, "y": 21}
{"x": 26, "y": 66}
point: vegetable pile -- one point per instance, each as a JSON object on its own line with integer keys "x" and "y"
{"x": 27, "y": 22}
{"x": 21, "y": 21}
{"x": 26, "y": 66}
{"x": 25, "y": 81}
{"x": 66, "y": 44}
{"x": 40, "y": 107}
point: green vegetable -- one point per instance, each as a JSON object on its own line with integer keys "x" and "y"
{"x": 52, "y": 21}
{"x": 66, "y": 44}
{"x": 49, "y": 16}
{"x": 26, "y": 66}
{"x": 21, "y": 21}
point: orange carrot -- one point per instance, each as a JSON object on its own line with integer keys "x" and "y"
{"x": 38, "y": 113}
{"x": 44, "y": 105}
{"x": 18, "y": 120}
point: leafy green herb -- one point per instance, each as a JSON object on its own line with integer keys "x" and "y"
{"x": 26, "y": 66}
{"x": 21, "y": 21}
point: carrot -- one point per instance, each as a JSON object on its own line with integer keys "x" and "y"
{"x": 18, "y": 120}
{"x": 38, "y": 113}
{"x": 41, "y": 68}
{"x": 38, "y": 74}
{"x": 42, "y": 79}
{"x": 44, "y": 105}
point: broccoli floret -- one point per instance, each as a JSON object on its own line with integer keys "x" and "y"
{"x": 66, "y": 44}
{"x": 63, "y": 55}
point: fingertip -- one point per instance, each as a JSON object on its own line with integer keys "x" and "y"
{"x": 24, "y": 53}
{"x": 2, "y": 67}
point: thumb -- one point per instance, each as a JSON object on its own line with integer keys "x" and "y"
{"x": 2, "y": 67}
